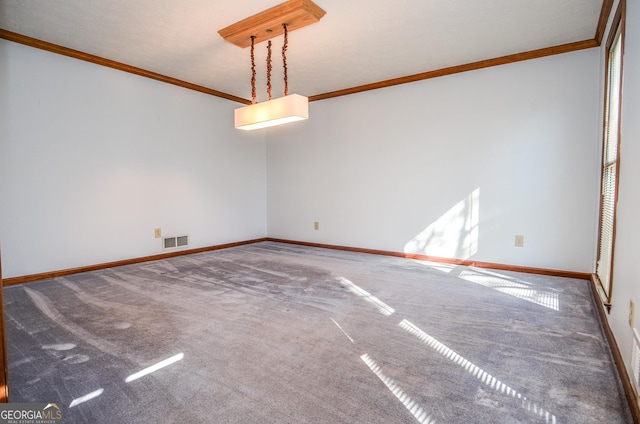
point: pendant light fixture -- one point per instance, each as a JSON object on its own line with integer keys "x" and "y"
{"x": 273, "y": 22}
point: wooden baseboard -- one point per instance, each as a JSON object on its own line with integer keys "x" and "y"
{"x": 489, "y": 265}
{"x": 63, "y": 272}
{"x": 4, "y": 361}
{"x": 629, "y": 390}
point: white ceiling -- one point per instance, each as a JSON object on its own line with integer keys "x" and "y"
{"x": 357, "y": 42}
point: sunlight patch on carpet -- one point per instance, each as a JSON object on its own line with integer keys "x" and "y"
{"x": 412, "y": 406}
{"x": 343, "y": 332}
{"x": 477, "y": 372}
{"x": 511, "y": 286}
{"x": 82, "y": 399}
{"x": 382, "y": 307}
{"x": 154, "y": 368}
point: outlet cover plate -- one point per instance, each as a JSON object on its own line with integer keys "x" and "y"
{"x": 519, "y": 241}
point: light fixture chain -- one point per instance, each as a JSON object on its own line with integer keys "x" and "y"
{"x": 284, "y": 59}
{"x": 269, "y": 69}
{"x": 254, "y": 97}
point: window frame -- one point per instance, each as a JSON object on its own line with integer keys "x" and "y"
{"x": 616, "y": 32}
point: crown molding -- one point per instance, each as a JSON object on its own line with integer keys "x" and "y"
{"x": 503, "y": 60}
{"x": 76, "y": 54}
{"x": 605, "y": 12}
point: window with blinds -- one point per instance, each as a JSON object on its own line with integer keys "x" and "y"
{"x": 610, "y": 158}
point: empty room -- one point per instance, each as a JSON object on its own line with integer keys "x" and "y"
{"x": 319, "y": 211}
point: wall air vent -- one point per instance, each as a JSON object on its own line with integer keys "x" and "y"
{"x": 175, "y": 242}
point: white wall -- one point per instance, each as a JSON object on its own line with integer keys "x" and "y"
{"x": 626, "y": 277}
{"x": 93, "y": 159}
{"x": 451, "y": 167}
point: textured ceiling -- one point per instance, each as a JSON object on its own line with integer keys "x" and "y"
{"x": 357, "y": 42}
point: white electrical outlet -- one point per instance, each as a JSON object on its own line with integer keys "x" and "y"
{"x": 157, "y": 232}
{"x": 316, "y": 225}
{"x": 519, "y": 241}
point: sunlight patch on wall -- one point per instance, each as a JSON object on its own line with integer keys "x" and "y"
{"x": 454, "y": 234}
{"x": 477, "y": 372}
{"x": 512, "y": 286}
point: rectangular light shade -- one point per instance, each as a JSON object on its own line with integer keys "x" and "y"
{"x": 293, "y": 107}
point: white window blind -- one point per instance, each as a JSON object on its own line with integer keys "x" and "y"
{"x": 610, "y": 163}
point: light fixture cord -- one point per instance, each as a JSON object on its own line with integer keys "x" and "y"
{"x": 254, "y": 97}
{"x": 269, "y": 69}
{"x": 284, "y": 59}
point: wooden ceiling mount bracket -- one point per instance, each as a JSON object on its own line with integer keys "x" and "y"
{"x": 268, "y": 24}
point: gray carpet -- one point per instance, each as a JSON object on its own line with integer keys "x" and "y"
{"x": 277, "y": 333}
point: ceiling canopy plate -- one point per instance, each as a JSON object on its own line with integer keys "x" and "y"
{"x": 268, "y": 24}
